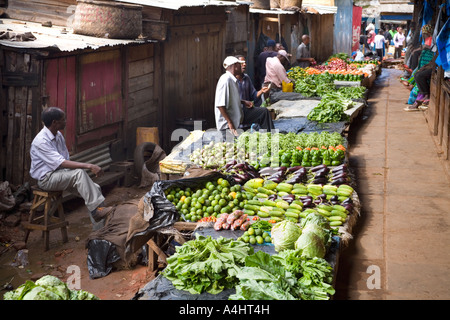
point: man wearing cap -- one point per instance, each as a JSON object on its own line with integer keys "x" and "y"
{"x": 260, "y": 65}
{"x": 275, "y": 70}
{"x": 303, "y": 55}
{"x": 228, "y": 111}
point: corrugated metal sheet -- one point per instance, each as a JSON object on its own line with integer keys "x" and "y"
{"x": 310, "y": 8}
{"x": 56, "y": 37}
{"x": 177, "y": 4}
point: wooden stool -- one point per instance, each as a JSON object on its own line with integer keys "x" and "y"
{"x": 52, "y": 201}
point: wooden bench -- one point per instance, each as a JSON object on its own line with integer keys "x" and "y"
{"x": 52, "y": 202}
{"x": 101, "y": 156}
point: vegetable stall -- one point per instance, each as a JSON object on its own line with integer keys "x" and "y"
{"x": 270, "y": 211}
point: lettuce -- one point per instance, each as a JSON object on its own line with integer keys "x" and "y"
{"x": 47, "y": 288}
{"x": 284, "y": 235}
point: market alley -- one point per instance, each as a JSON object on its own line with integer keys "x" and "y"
{"x": 404, "y": 188}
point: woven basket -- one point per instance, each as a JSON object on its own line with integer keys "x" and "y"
{"x": 291, "y": 4}
{"x": 261, "y": 4}
{"x": 107, "y": 19}
{"x": 274, "y": 4}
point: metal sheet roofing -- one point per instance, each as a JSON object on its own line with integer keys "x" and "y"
{"x": 55, "y": 37}
{"x": 177, "y": 4}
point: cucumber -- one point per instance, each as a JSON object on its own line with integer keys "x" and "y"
{"x": 283, "y": 204}
{"x": 262, "y": 214}
{"x": 270, "y": 203}
{"x": 293, "y": 210}
{"x": 324, "y": 212}
{"x": 265, "y": 191}
{"x": 291, "y": 214}
{"x": 340, "y": 208}
{"x": 291, "y": 219}
{"x": 251, "y": 207}
{"x": 339, "y": 213}
{"x": 275, "y": 213}
{"x": 254, "y": 202}
{"x": 249, "y": 212}
{"x": 335, "y": 223}
{"x": 261, "y": 195}
{"x": 325, "y": 207}
{"x": 335, "y": 218}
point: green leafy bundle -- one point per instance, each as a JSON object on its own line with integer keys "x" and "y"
{"x": 206, "y": 264}
{"x": 47, "y": 288}
{"x": 286, "y": 276}
{"x": 331, "y": 108}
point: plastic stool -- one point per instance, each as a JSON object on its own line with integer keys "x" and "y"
{"x": 52, "y": 201}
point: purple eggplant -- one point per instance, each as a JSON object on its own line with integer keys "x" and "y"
{"x": 302, "y": 170}
{"x": 339, "y": 181}
{"x": 338, "y": 176}
{"x": 272, "y": 197}
{"x": 322, "y": 196}
{"x": 296, "y": 168}
{"x": 276, "y": 179}
{"x": 302, "y": 198}
{"x": 334, "y": 201}
{"x": 320, "y": 180}
{"x": 348, "y": 200}
{"x": 348, "y": 207}
{"x": 307, "y": 203}
{"x": 341, "y": 167}
{"x": 319, "y": 167}
{"x": 289, "y": 198}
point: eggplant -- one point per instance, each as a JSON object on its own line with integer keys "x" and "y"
{"x": 334, "y": 198}
{"x": 276, "y": 179}
{"x": 252, "y": 168}
{"x": 338, "y": 176}
{"x": 240, "y": 165}
{"x": 318, "y": 201}
{"x": 294, "y": 179}
{"x": 230, "y": 163}
{"x": 348, "y": 207}
{"x": 339, "y": 181}
{"x": 251, "y": 174}
{"x": 348, "y": 200}
{"x": 307, "y": 203}
{"x": 339, "y": 167}
{"x": 302, "y": 198}
{"x": 322, "y": 196}
{"x": 272, "y": 197}
{"x": 339, "y": 172}
{"x": 238, "y": 180}
{"x": 267, "y": 171}
{"x": 320, "y": 175}
{"x": 280, "y": 169}
{"x": 289, "y": 198}
{"x": 301, "y": 170}
{"x": 321, "y": 180}
{"x": 321, "y": 171}
{"x": 316, "y": 168}
{"x": 242, "y": 176}
{"x": 296, "y": 168}
{"x": 334, "y": 202}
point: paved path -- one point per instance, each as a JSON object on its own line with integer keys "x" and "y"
{"x": 401, "y": 243}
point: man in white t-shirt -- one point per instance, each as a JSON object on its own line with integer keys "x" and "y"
{"x": 228, "y": 110}
{"x": 379, "y": 43}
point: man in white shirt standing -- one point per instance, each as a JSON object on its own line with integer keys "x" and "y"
{"x": 379, "y": 43}
{"x": 399, "y": 40}
{"x": 54, "y": 171}
{"x": 228, "y": 110}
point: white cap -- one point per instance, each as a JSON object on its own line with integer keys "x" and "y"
{"x": 284, "y": 54}
{"x": 230, "y": 60}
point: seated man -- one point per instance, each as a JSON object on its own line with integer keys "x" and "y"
{"x": 251, "y": 99}
{"x": 51, "y": 167}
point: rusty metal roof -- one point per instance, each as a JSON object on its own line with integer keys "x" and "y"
{"x": 55, "y": 37}
{"x": 177, "y": 4}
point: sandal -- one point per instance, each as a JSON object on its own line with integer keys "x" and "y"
{"x": 423, "y": 107}
{"x": 411, "y": 108}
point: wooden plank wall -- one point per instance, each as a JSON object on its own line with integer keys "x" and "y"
{"x": 59, "y": 12}
{"x": 321, "y": 33}
{"x": 20, "y": 95}
{"x": 142, "y": 107}
{"x": 192, "y": 58}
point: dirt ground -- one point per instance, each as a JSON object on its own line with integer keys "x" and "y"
{"x": 65, "y": 260}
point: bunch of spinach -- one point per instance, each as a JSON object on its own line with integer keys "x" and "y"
{"x": 206, "y": 264}
{"x": 331, "y": 108}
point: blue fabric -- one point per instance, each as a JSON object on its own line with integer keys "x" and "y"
{"x": 443, "y": 46}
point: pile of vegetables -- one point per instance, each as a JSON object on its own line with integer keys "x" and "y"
{"x": 47, "y": 288}
{"x": 252, "y": 151}
{"x": 286, "y": 276}
{"x": 331, "y": 108}
{"x": 206, "y": 264}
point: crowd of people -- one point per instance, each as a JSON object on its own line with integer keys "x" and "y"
{"x": 387, "y": 36}
{"x": 238, "y": 101}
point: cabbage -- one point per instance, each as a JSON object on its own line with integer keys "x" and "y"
{"x": 47, "y": 288}
{"x": 324, "y": 234}
{"x": 284, "y": 235}
{"x": 315, "y": 218}
{"x": 311, "y": 245}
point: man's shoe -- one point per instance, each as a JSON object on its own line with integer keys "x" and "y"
{"x": 101, "y": 213}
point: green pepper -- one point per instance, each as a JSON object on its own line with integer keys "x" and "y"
{"x": 335, "y": 162}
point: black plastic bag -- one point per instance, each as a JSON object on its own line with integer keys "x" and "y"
{"x": 100, "y": 259}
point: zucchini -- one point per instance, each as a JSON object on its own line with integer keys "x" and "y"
{"x": 335, "y": 223}
{"x": 291, "y": 214}
{"x": 251, "y": 207}
{"x": 262, "y": 214}
{"x": 265, "y": 191}
{"x": 249, "y": 212}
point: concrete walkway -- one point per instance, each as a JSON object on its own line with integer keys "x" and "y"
{"x": 401, "y": 243}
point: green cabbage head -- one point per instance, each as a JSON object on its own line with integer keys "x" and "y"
{"x": 284, "y": 235}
